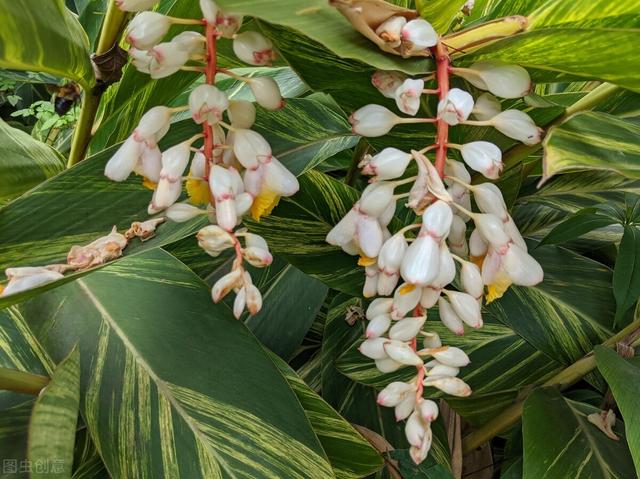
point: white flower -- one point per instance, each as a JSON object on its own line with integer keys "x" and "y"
{"x": 387, "y": 282}
{"x": 408, "y": 95}
{"x": 149, "y": 163}
{"x": 394, "y": 393}
{"x": 266, "y": 92}
{"x": 373, "y": 120}
{"x": 391, "y": 30}
{"x": 450, "y": 356}
{"x": 153, "y": 125}
{"x": 387, "y": 82}
{"x": 429, "y": 297}
{"x": 477, "y": 244}
{"x": 214, "y": 239}
{"x": 455, "y": 107}
{"x": 418, "y": 35}
{"x": 25, "y": 278}
{"x": 457, "y": 238}
{"x": 487, "y": 106}
{"x": 147, "y": 29}
{"x": 376, "y": 197}
{"x": 436, "y": 368}
{"x": 374, "y": 348}
{"x": 402, "y": 353}
{"x": 253, "y": 48}
{"x": 483, "y": 157}
{"x": 504, "y": 81}
{"x": 518, "y": 125}
{"x": 387, "y": 365}
{"x": 449, "y": 385}
{"x": 256, "y": 251}
{"x": 242, "y": 113}
{"x": 389, "y": 164}
{"x": 489, "y": 199}
{"x": 207, "y": 103}
{"x": 226, "y": 284}
{"x": 405, "y": 298}
{"x": 471, "y": 279}
{"x": 181, "y": 212}
{"x": 379, "y": 306}
{"x": 250, "y": 148}
{"x": 135, "y": 5}
{"x": 406, "y": 329}
{"x": 254, "y": 299}
{"x": 166, "y": 59}
{"x": 228, "y": 24}
{"x": 192, "y": 42}
{"x": 225, "y": 184}
{"x": 209, "y": 11}
{"x": 492, "y": 229}
{"x": 466, "y": 307}
{"x": 449, "y": 317}
{"x": 436, "y": 220}
{"x": 428, "y": 410}
{"x": 447, "y": 268}
{"x": 140, "y": 59}
{"x": 420, "y": 265}
{"x": 415, "y": 429}
{"x": 391, "y": 254}
{"x": 122, "y": 163}
{"x": 169, "y": 188}
{"x": 378, "y": 326}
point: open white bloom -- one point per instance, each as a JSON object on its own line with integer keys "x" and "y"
{"x": 418, "y": 35}
{"x": 169, "y": 188}
{"x": 408, "y": 95}
{"x": 389, "y": 164}
{"x": 166, "y": 59}
{"x": 391, "y": 30}
{"x": 135, "y": 5}
{"x": 207, "y": 103}
{"x": 387, "y": 82}
{"x": 504, "y": 81}
{"x": 455, "y": 107}
{"x": 487, "y": 106}
{"x": 242, "y": 113}
{"x": 253, "y": 48}
{"x": 483, "y": 157}
{"x": 373, "y": 120}
{"x": 518, "y": 125}
{"x": 122, "y": 163}
{"x": 147, "y": 29}
{"x": 266, "y": 92}
{"x": 25, "y": 278}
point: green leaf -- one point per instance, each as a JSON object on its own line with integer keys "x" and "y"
{"x": 429, "y": 469}
{"x": 24, "y": 162}
{"x": 351, "y": 456}
{"x": 580, "y": 223}
{"x": 56, "y": 42}
{"x": 439, "y": 13}
{"x": 91, "y": 14}
{"x": 593, "y": 141}
{"x": 560, "y": 442}
{"x": 623, "y": 378}
{"x": 14, "y": 427}
{"x": 626, "y": 274}
{"x": 52, "y": 429}
{"x": 173, "y": 385}
{"x": 586, "y": 14}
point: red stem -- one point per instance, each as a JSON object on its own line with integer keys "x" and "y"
{"x": 210, "y": 72}
{"x": 443, "y": 65}
{"x": 418, "y": 311}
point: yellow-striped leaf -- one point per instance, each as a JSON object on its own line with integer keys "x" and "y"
{"x": 593, "y": 141}
{"x": 47, "y": 38}
{"x": 439, "y": 13}
{"x": 52, "y": 428}
{"x": 173, "y": 385}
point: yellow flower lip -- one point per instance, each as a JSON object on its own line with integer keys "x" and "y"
{"x": 406, "y": 288}
{"x": 366, "y": 261}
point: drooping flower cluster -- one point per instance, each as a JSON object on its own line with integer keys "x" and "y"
{"x": 412, "y": 273}
{"x": 234, "y": 171}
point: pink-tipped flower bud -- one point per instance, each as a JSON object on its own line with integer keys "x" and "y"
{"x": 166, "y": 59}
{"x": 214, "y": 240}
{"x": 394, "y": 393}
{"x": 192, "y": 42}
{"x": 455, "y": 107}
{"x": 266, "y": 92}
{"x": 487, "y": 106}
{"x": 492, "y": 229}
{"x": 406, "y": 329}
{"x": 254, "y": 299}
{"x": 449, "y": 385}
{"x": 153, "y": 125}
{"x": 378, "y": 326}
{"x": 147, "y": 29}
{"x": 169, "y": 188}
{"x": 253, "y": 48}
{"x": 477, "y": 244}
{"x": 466, "y": 307}
{"x": 226, "y": 284}
{"x": 408, "y": 96}
{"x": 379, "y": 306}
{"x": 374, "y": 348}
{"x": 404, "y": 409}
{"x": 483, "y": 157}
{"x": 449, "y": 355}
{"x": 242, "y": 113}
{"x": 428, "y": 410}
{"x": 504, "y": 81}
{"x": 387, "y": 365}
{"x": 402, "y": 353}
{"x": 387, "y": 82}
{"x": 389, "y": 164}
{"x": 405, "y": 298}
{"x": 420, "y": 265}
{"x": 418, "y": 35}
{"x": 251, "y": 148}
{"x": 368, "y": 235}
{"x": 518, "y": 125}
{"x": 207, "y": 103}
{"x": 471, "y": 279}
{"x": 373, "y": 120}
{"x": 391, "y": 253}
{"x": 436, "y": 220}
{"x": 436, "y": 368}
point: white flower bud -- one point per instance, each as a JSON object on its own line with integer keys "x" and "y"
{"x": 449, "y": 317}
{"x": 122, "y": 163}
{"x": 374, "y": 348}
{"x": 242, "y": 113}
{"x": 387, "y": 282}
{"x": 449, "y": 355}
{"x": 415, "y": 429}
{"x": 389, "y": 164}
{"x": 471, "y": 279}
{"x": 376, "y": 198}
{"x": 192, "y": 42}
{"x": 436, "y": 220}
{"x": 214, "y": 240}
{"x": 394, "y": 393}
{"x": 447, "y": 268}
{"x": 466, "y": 307}
{"x": 387, "y": 365}
{"x": 153, "y": 125}
{"x": 378, "y": 326}
{"x": 207, "y": 103}
{"x": 387, "y": 82}
{"x": 391, "y": 30}
{"x": 477, "y": 244}
{"x": 457, "y": 238}
{"x": 254, "y": 299}
{"x": 487, "y": 106}
{"x": 140, "y": 59}
{"x": 406, "y": 297}
{"x": 224, "y": 285}
{"x": 428, "y": 410}
{"x": 408, "y": 95}
{"x": 209, "y": 11}
{"x": 429, "y": 297}
{"x": 174, "y": 162}
{"x": 449, "y": 385}
{"x": 518, "y": 125}
{"x": 505, "y": 81}
{"x": 379, "y": 306}
{"x": 279, "y": 179}
{"x": 181, "y": 212}
{"x": 431, "y": 340}
{"x": 455, "y": 107}
{"x": 387, "y": 215}
{"x": 343, "y": 232}
{"x": 492, "y": 230}
{"x": 25, "y": 278}
{"x": 166, "y": 59}
{"x": 368, "y": 235}
{"x": 391, "y": 253}
{"x": 266, "y": 92}
{"x": 222, "y": 182}
{"x": 419, "y": 35}
{"x": 406, "y": 329}
{"x": 228, "y": 24}
{"x": 253, "y": 48}
{"x": 251, "y": 148}
{"x": 373, "y": 120}
{"x": 257, "y": 257}
{"x": 522, "y": 268}
{"x": 146, "y": 29}
{"x": 483, "y": 157}
{"x": 419, "y": 454}
{"x": 457, "y": 170}
{"x": 513, "y": 232}
{"x": 240, "y": 302}
{"x": 150, "y": 163}
{"x": 402, "y": 353}
{"x": 420, "y": 265}
{"x": 490, "y": 200}
{"x": 436, "y": 368}
{"x": 135, "y": 5}
{"x": 405, "y": 408}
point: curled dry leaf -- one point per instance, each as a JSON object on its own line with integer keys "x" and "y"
{"x": 604, "y": 421}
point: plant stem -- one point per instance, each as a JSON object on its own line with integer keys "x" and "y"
{"x": 562, "y": 380}
{"x": 210, "y": 74}
{"x": 111, "y": 29}
{"x": 442, "y": 75}
{"x": 21, "y": 382}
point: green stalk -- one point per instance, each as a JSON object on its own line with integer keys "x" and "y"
{"x": 111, "y": 29}
{"x": 565, "y": 378}
{"x": 21, "y": 382}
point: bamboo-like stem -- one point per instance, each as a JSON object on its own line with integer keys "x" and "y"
{"x": 21, "y": 382}
{"x": 111, "y": 29}
{"x": 562, "y": 380}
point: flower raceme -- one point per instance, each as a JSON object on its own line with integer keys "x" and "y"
{"x": 234, "y": 172}
{"x": 410, "y": 270}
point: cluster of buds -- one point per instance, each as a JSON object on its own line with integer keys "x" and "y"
{"x": 234, "y": 172}
{"x": 414, "y": 272}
